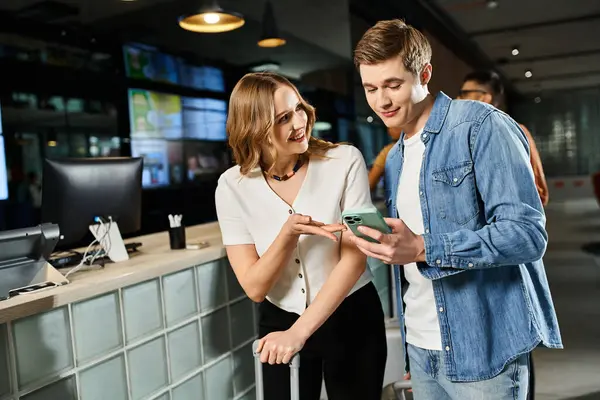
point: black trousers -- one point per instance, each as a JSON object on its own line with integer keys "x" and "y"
{"x": 531, "y": 391}
{"x": 348, "y": 351}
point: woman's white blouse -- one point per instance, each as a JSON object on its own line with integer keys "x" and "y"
{"x": 250, "y": 212}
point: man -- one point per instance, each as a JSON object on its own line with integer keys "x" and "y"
{"x": 486, "y": 86}
{"x": 470, "y": 233}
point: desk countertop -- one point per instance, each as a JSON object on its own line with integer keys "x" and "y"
{"x": 153, "y": 259}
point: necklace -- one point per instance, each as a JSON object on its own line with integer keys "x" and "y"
{"x": 290, "y": 174}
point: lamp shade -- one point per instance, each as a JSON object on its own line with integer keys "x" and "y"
{"x": 211, "y": 18}
{"x": 270, "y": 33}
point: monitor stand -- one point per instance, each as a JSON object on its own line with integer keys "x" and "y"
{"x": 111, "y": 241}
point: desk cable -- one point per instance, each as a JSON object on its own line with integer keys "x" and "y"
{"x": 99, "y": 241}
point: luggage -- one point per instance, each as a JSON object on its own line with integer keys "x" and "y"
{"x": 294, "y": 374}
{"x": 397, "y": 391}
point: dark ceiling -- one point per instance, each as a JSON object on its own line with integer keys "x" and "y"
{"x": 558, "y": 40}
{"x": 155, "y": 22}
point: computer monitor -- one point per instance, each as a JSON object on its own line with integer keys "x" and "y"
{"x": 79, "y": 194}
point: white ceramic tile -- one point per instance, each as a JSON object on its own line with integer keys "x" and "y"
{"x": 4, "y": 371}
{"x": 212, "y": 285}
{"x": 42, "y": 345}
{"x": 104, "y": 381}
{"x": 184, "y": 350}
{"x": 242, "y": 322}
{"x": 191, "y": 389}
{"x": 243, "y": 369}
{"x": 143, "y": 310}
{"x": 180, "y": 296}
{"x": 215, "y": 335}
{"x": 97, "y": 327}
{"x": 65, "y": 389}
{"x": 148, "y": 368}
{"x": 234, "y": 289}
{"x": 219, "y": 380}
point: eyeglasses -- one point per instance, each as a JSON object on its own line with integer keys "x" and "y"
{"x": 466, "y": 93}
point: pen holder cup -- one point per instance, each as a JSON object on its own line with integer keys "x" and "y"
{"x": 177, "y": 238}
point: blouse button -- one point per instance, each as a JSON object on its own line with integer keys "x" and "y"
{"x": 290, "y": 211}
{"x": 303, "y": 290}
{"x": 299, "y": 275}
{"x": 297, "y": 261}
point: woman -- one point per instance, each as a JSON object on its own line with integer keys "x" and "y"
{"x": 279, "y": 210}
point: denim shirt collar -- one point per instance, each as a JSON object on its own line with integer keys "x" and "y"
{"x": 438, "y": 114}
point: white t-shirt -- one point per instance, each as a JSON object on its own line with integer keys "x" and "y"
{"x": 250, "y": 212}
{"x": 421, "y": 319}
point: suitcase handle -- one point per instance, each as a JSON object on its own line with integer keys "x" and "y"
{"x": 294, "y": 374}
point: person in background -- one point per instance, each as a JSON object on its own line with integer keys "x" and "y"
{"x": 468, "y": 233}
{"x": 279, "y": 210}
{"x": 487, "y": 86}
{"x": 378, "y": 167}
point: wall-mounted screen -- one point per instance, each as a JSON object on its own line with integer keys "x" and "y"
{"x": 3, "y": 175}
{"x": 204, "y": 160}
{"x": 145, "y": 62}
{"x": 163, "y": 161}
{"x": 203, "y": 78}
{"x": 204, "y": 119}
{"x": 154, "y": 115}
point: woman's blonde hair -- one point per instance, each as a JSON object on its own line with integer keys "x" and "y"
{"x": 251, "y": 120}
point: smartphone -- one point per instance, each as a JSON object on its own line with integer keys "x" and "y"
{"x": 370, "y": 217}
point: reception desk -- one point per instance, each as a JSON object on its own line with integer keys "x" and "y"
{"x": 166, "y": 324}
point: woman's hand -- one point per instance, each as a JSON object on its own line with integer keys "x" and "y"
{"x": 298, "y": 224}
{"x": 280, "y": 347}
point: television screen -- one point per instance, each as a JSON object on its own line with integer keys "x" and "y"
{"x": 145, "y": 62}
{"x": 204, "y": 160}
{"x": 156, "y": 161}
{"x": 203, "y": 78}
{"x": 154, "y": 115}
{"x": 175, "y": 157}
{"x": 3, "y": 176}
{"x": 204, "y": 119}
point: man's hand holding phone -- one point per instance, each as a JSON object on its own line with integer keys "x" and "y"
{"x": 401, "y": 246}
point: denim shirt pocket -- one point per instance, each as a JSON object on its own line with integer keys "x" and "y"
{"x": 455, "y": 194}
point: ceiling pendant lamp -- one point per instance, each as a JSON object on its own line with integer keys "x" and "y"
{"x": 211, "y": 18}
{"x": 270, "y": 33}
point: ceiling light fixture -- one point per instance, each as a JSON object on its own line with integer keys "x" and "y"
{"x": 515, "y": 51}
{"x": 528, "y": 74}
{"x": 492, "y": 4}
{"x": 211, "y": 18}
{"x": 270, "y": 33}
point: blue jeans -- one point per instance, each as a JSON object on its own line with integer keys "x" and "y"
{"x": 429, "y": 380}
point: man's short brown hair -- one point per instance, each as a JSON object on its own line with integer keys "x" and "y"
{"x": 388, "y": 39}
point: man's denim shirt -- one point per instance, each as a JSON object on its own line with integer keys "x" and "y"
{"x": 484, "y": 238}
